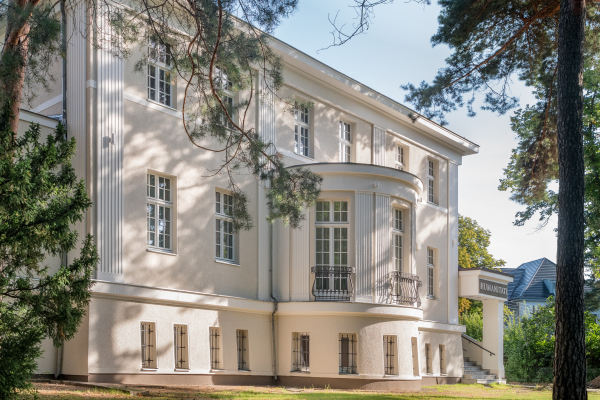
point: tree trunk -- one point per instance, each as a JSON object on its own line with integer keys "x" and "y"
{"x": 16, "y": 44}
{"x": 569, "y": 350}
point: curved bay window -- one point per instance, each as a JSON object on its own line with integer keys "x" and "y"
{"x": 333, "y": 280}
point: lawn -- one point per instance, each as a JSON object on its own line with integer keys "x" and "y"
{"x": 63, "y": 392}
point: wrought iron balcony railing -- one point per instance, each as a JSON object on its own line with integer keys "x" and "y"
{"x": 332, "y": 283}
{"x": 404, "y": 289}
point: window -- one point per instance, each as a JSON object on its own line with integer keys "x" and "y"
{"x": 401, "y": 157}
{"x": 442, "y": 359}
{"x": 302, "y": 131}
{"x": 348, "y": 346}
{"x": 430, "y": 273}
{"x": 389, "y": 349}
{"x": 242, "y": 349}
{"x": 223, "y": 82}
{"x": 331, "y": 247}
{"x": 215, "y": 348}
{"x": 159, "y": 72}
{"x": 301, "y": 353}
{"x": 397, "y": 239}
{"x": 428, "y": 357}
{"x": 225, "y": 235}
{"x": 345, "y": 142}
{"x": 432, "y": 185}
{"x": 180, "y": 344}
{"x": 148, "y": 332}
{"x": 415, "y": 356}
{"x": 159, "y": 211}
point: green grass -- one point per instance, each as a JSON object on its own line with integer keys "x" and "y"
{"x": 276, "y": 393}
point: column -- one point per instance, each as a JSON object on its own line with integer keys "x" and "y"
{"x": 300, "y": 261}
{"x": 109, "y": 157}
{"x": 364, "y": 246}
{"x": 493, "y": 337}
{"x": 382, "y": 247}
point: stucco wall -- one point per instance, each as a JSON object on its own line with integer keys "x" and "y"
{"x": 454, "y": 352}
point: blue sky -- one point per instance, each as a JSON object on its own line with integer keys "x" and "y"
{"x": 397, "y": 50}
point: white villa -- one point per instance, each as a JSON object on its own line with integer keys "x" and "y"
{"x": 363, "y": 295}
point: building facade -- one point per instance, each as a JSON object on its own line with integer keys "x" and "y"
{"x": 363, "y": 294}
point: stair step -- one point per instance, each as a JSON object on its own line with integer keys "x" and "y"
{"x": 475, "y": 368}
{"x": 480, "y": 377}
{"x": 477, "y": 373}
{"x": 470, "y": 363}
{"x": 483, "y": 381}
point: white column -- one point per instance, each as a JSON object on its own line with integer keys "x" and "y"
{"x": 378, "y": 152}
{"x": 281, "y": 242}
{"x": 300, "y": 261}
{"x": 109, "y": 158}
{"x": 493, "y": 339}
{"x": 413, "y": 240}
{"x": 364, "y": 245}
{"x": 382, "y": 247}
{"x": 452, "y": 243}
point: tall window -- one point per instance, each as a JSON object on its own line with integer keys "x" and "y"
{"x": 390, "y": 355}
{"x": 180, "y": 347}
{"x": 215, "y": 348}
{"x": 397, "y": 239}
{"x": 159, "y": 211}
{"x": 148, "y": 333}
{"x": 430, "y": 273}
{"x": 225, "y": 236}
{"x": 302, "y": 131}
{"x": 348, "y": 346}
{"x": 400, "y": 157}
{"x": 345, "y": 142}
{"x": 159, "y": 72}
{"x": 331, "y": 245}
{"x": 442, "y": 358}
{"x": 242, "y": 349}
{"x": 428, "y": 360}
{"x": 432, "y": 186}
{"x": 301, "y": 354}
{"x": 223, "y": 82}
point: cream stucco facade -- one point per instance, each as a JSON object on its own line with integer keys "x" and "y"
{"x": 351, "y": 305}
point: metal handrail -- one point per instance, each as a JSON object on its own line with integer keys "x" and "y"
{"x": 476, "y": 343}
{"x": 404, "y": 288}
{"x": 333, "y": 283}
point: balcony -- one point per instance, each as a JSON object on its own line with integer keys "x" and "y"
{"x": 404, "y": 289}
{"x": 333, "y": 283}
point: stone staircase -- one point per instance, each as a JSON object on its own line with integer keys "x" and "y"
{"x": 473, "y": 373}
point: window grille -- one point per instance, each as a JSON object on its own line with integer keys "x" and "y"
{"x": 224, "y": 232}
{"x": 242, "y": 351}
{"x": 442, "y": 359}
{"x": 215, "y": 336}
{"x": 301, "y": 131}
{"x": 397, "y": 252}
{"x": 348, "y": 347}
{"x": 428, "y": 357}
{"x": 148, "y": 336}
{"x": 159, "y": 211}
{"x": 180, "y": 346}
{"x": 301, "y": 352}
{"x": 415, "y": 356}
{"x": 389, "y": 346}
{"x": 159, "y": 72}
{"x": 430, "y": 273}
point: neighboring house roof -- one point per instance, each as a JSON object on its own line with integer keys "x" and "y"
{"x": 532, "y": 280}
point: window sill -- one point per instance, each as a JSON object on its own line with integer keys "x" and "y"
{"x": 244, "y": 370}
{"x": 299, "y": 372}
{"x": 226, "y": 262}
{"x": 149, "y": 369}
{"x": 349, "y": 374}
{"x": 294, "y": 155}
{"x": 159, "y": 251}
{"x": 435, "y": 206}
{"x": 217, "y": 370}
{"x": 162, "y": 105}
{"x": 182, "y": 370}
{"x": 433, "y": 298}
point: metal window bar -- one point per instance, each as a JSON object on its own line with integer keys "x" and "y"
{"x": 147, "y": 345}
{"x": 442, "y": 369}
{"x": 404, "y": 289}
{"x": 389, "y": 345}
{"x": 301, "y": 352}
{"x": 348, "y": 345}
{"x": 428, "y": 357}
{"x": 342, "y": 288}
{"x": 241, "y": 350}
{"x": 214, "y": 348}
{"x": 179, "y": 341}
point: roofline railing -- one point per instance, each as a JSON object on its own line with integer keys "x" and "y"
{"x": 476, "y": 343}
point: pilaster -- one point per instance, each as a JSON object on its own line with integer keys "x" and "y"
{"x": 382, "y": 247}
{"x": 364, "y": 247}
{"x": 300, "y": 261}
{"x": 378, "y": 152}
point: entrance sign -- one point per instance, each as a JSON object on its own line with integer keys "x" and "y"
{"x": 493, "y": 288}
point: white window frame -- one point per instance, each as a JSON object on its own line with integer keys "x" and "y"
{"x": 302, "y": 131}
{"x": 345, "y": 142}
{"x": 328, "y": 245}
{"x": 430, "y": 273}
{"x": 398, "y": 239}
{"x": 160, "y": 85}
{"x": 148, "y": 345}
{"x": 154, "y": 200}
{"x": 224, "y": 83}
{"x": 401, "y": 157}
{"x": 181, "y": 344}
{"x": 432, "y": 171}
{"x": 224, "y": 227}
